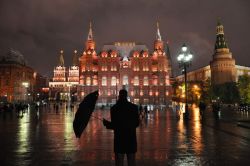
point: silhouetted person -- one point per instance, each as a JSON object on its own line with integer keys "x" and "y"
{"x": 140, "y": 110}
{"x": 124, "y": 120}
{"x": 146, "y": 110}
{"x": 216, "y": 109}
{"x": 57, "y": 108}
{"x": 202, "y": 107}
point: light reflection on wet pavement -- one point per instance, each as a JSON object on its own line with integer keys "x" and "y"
{"x": 163, "y": 139}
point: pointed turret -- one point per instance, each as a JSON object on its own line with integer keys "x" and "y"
{"x": 158, "y": 45}
{"x": 90, "y": 35}
{"x": 61, "y": 59}
{"x": 220, "y": 37}
{"x": 75, "y": 58}
{"x": 158, "y": 34}
{"x": 90, "y": 43}
{"x": 167, "y": 50}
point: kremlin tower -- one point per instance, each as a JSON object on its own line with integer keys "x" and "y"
{"x": 222, "y": 65}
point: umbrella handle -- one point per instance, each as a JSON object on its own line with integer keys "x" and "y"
{"x": 96, "y": 117}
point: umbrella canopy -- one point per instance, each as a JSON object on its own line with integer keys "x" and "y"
{"x": 82, "y": 116}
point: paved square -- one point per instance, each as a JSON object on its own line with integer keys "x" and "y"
{"x": 163, "y": 139}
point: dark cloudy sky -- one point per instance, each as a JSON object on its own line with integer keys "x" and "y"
{"x": 40, "y": 28}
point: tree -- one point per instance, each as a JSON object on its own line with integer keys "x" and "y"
{"x": 244, "y": 88}
{"x": 227, "y": 92}
{"x": 207, "y": 94}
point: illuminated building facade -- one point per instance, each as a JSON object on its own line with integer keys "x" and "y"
{"x": 64, "y": 82}
{"x": 17, "y": 80}
{"x": 128, "y": 65}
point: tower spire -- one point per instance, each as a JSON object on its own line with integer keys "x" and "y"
{"x": 158, "y": 34}
{"x": 90, "y": 35}
{"x": 75, "y": 59}
{"x": 220, "y": 37}
{"x": 61, "y": 59}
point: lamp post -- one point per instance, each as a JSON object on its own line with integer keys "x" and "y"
{"x": 184, "y": 59}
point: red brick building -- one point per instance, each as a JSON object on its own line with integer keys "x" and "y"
{"x": 146, "y": 75}
{"x": 16, "y": 78}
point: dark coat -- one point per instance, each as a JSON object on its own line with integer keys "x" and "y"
{"x": 124, "y": 120}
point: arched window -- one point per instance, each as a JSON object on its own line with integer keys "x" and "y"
{"x": 113, "y": 81}
{"x": 167, "y": 82}
{"x": 125, "y": 80}
{"x": 88, "y": 81}
{"x": 104, "y": 81}
{"x": 145, "y": 81}
{"x": 95, "y": 80}
{"x": 136, "y": 80}
{"x": 155, "y": 80}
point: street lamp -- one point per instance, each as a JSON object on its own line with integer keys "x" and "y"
{"x": 184, "y": 59}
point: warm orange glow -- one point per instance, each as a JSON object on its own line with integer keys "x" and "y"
{"x": 45, "y": 89}
{"x": 196, "y": 87}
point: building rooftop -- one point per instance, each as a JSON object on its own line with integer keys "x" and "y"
{"x": 125, "y": 48}
{"x": 13, "y": 56}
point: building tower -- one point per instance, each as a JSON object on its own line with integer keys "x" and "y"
{"x": 222, "y": 65}
{"x": 90, "y": 43}
{"x": 74, "y": 69}
{"x": 88, "y": 63}
{"x": 158, "y": 45}
{"x": 160, "y": 70}
{"x": 60, "y": 70}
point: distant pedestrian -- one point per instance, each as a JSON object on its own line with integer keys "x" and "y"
{"x": 178, "y": 110}
{"x": 57, "y": 108}
{"x": 202, "y": 108}
{"x": 140, "y": 111}
{"x": 146, "y": 110}
{"x": 124, "y": 121}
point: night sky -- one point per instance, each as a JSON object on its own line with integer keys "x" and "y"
{"x": 40, "y": 28}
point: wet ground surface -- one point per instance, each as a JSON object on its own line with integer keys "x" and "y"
{"x": 164, "y": 138}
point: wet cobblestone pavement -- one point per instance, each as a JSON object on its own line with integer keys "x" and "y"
{"x": 163, "y": 139}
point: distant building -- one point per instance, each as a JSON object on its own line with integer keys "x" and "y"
{"x": 41, "y": 87}
{"x": 222, "y": 68}
{"x": 127, "y": 65}
{"x": 17, "y": 80}
{"x": 63, "y": 84}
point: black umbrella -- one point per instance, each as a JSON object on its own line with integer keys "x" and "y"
{"x": 82, "y": 116}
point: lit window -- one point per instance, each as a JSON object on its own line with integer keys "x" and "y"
{"x": 145, "y": 81}
{"x": 136, "y": 81}
{"x": 125, "y": 80}
{"x": 113, "y": 81}
{"x": 88, "y": 81}
{"x": 95, "y": 81}
{"x": 155, "y": 81}
{"x": 104, "y": 81}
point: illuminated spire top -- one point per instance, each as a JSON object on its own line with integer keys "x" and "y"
{"x": 75, "y": 59}
{"x": 220, "y": 37}
{"x": 219, "y": 28}
{"x": 61, "y": 59}
{"x": 90, "y": 35}
{"x": 158, "y": 34}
